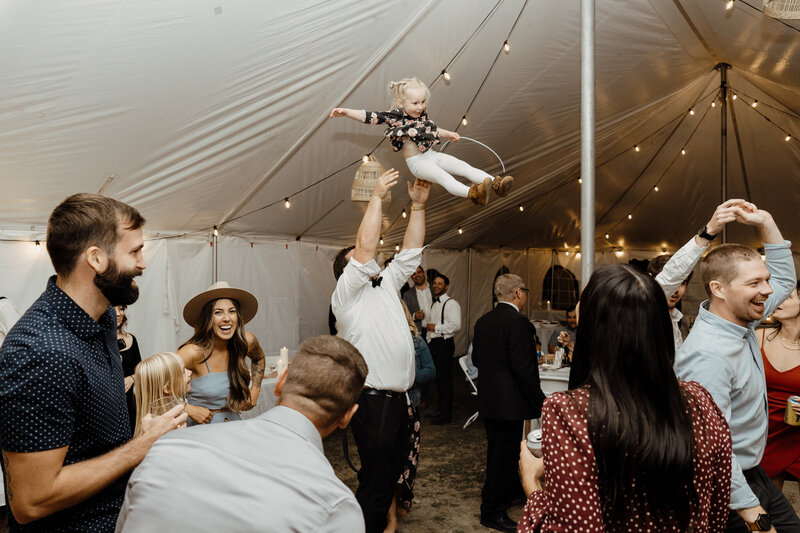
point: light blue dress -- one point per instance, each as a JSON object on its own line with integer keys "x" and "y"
{"x": 211, "y": 391}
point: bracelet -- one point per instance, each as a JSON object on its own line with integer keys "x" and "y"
{"x": 418, "y": 207}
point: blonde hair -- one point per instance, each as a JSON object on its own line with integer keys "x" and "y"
{"x": 398, "y": 90}
{"x": 411, "y": 324}
{"x": 152, "y": 376}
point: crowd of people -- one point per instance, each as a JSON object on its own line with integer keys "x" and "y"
{"x": 655, "y": 432}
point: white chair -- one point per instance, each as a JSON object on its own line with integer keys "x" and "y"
{"x": 462, "y": 361}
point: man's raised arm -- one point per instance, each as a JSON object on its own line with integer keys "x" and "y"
{"x": 415, "y": 232}
{"x": 369, "y": 232}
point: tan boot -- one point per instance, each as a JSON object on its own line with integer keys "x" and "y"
{"x": 502, "y": 186}
{"x": 479, "y": 193}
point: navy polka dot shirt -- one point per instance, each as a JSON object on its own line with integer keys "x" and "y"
{"x": 61, "y": 384}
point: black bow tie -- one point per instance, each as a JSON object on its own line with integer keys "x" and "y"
{"x": 377, "y": 281}
{"x": 436, "y": 299}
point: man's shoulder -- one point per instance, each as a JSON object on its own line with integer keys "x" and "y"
{"x": 38, "y": 332}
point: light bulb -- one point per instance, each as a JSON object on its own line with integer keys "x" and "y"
{"x": 396, "y": 247}
{"x": 460, "y": 231}
{"x": 691, "y": 112}
{"x": 630, "y": 216}
{"x": 286, "y": 203}
{"x": 464, "y": 120}
{"x": 636, "y": 147}
{"x": 608, "y": 236}
{"x": 365, "y": 158}
{"x": 729, "y": 5}
{"x": 714, "y": 103}
{"x": 37, "y": 243}
{"x": 683, "y": 151}
{"x": 787, "y": 138}
{"x": 381, "y": 241}
{"x": 619, "y": 252}
{"x": 567, "y": 253}
{"x": 655, "y": 188}
{"x": 446, "y": 75}
{"x": 506, "y": 47}
{"x": 580, "y": 180}
{"x": 734, "y": 97}
{"x": 216, "y": 231}
{"x": 577, "y": 255}
{"x": 404, "y": 213}
{"x": 755, "y": 103}
{"x": 521, "y": 208}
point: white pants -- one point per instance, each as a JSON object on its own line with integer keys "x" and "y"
{"x": 439, "y": 168}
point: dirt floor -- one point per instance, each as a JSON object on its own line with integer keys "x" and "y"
{"x": 451, "y": 471}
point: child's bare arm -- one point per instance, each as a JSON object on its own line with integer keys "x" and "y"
{"x": 355, "y": 114}
{"x": 447, "y": 134}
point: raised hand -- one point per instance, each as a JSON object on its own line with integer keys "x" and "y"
{"x": 419, "y": 191}
{"x": 724, "y": 214}
{"x": 338, "y": 112}
{"x": 387, "y": 180}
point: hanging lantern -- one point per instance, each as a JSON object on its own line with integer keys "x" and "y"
{"x": 366, "y": 177}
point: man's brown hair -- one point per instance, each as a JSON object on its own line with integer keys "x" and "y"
{"x": 722, "y": 263}
{"x": 83, "y": 220}
{"x": 326, "y": 377}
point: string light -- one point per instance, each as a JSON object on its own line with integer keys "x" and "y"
{"x": 37, "y": 243}
{"x": 460, "y": 231}
{"x": 683, "y": 151}
{"x": 608, "y": 236}
{"x": 714, "y": 103}
{"x": 630, "y": 216}
{"x": 567, "y": 253}
{"x": 464, "y": 120}
{"x": 404, "y": 214}
{"x": 787, "y": 138}
{"x": 619, "y": 252}
{"x": 755, "y": 103}
{"x": 506, "y": 47}
{"x": 396, "y": 247}
{"x": 446, "y": 75}
{"x": 729, "y": 4}
{"x": 655, "y": 188}
{"x": 216, "y": 232}
{"x": 580, "y": 180}
{"x": 734, "y": 96}
{"x": 577, "y": 255}
{"x": 286, "y": 203}
{"x": 381, "y": 241}
{"x": 636, "y": 147}
{"x": 691, "y": 111}
{"x": 521, "y": 208}
{"x": 365, "y": 158}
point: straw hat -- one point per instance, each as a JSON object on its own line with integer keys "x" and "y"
{"x": 248, "y": 305}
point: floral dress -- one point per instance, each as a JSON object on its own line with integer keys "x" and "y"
{"x": 401, "y": 127}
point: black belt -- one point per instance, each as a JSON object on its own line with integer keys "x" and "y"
{"x": 380, "y": 392}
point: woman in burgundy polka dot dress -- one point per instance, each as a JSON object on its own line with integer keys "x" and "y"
{"x": 629, "y": 448}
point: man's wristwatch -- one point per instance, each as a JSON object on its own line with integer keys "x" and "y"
{"x": 706, "y": 235}
{"x": 762, "y": 523}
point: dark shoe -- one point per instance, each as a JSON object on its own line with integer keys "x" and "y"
{"x": 501, "y": 185}
{"x": 441, "y": 420}
{"x": 500, "y": 522}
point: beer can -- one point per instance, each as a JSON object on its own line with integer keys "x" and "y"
{"x": 790, "y": 417}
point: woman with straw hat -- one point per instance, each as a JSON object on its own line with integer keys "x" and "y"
{"x": 222, "y": 385}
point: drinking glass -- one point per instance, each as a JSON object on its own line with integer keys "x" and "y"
{"x": 162, "y": 405}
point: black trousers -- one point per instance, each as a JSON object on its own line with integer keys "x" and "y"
{"x": 772, "y": 499}
{"x": 442, "y": 351}
{"x": 502, "y": 486}
{"x": 382, "y": 447}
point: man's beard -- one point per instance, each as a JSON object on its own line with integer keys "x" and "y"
{"x": 117, "y": 286}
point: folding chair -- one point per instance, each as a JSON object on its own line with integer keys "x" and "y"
{"x": 462, "y": 361}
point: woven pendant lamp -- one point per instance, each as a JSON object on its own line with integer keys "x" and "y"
{"x": 366, "y": 177}
{"x": 782, "y": 9}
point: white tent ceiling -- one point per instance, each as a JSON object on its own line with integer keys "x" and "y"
{"x": 204, "y": 112}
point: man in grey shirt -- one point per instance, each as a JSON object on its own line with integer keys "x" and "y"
{"x": 264, "y": 474}
{"x": 722, "y": 354}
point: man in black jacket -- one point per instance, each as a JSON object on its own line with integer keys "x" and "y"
{"x": 510, "y": 392}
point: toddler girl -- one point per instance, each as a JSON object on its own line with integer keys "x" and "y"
{"x": 161, "y": 375}
{"x": 411, "y": 131}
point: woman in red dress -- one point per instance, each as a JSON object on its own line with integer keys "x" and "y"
{"x": 631, "y": 448}
{"x": 780, "y": 349}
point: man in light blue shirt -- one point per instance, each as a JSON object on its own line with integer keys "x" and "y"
{"x": 265, "y": 474}
{"x": 722, "y": 354}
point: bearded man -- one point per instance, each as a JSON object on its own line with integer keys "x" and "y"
{"x": 64, "y": 430}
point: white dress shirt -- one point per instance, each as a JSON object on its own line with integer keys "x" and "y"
{"x": 452, "y": 318}
{"x": 675, "y": 272}
{"x": 372, "y": 319}
{"x": 424, "y": 299}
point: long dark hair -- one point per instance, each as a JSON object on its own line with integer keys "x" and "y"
{"x": 238, "y": 373}
{"x": 776, "y": 328}
{"x": 638, "y": 416}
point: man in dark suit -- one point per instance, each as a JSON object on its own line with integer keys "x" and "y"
{"x": 418, "y": 298}
{"x": 510, "y": 392}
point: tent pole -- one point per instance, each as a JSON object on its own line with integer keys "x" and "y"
{"x": 587, "y": 140}
{"x": 469, "y": 294}
{"x": 723, "y": 87}
{"x": 214, "y": 256}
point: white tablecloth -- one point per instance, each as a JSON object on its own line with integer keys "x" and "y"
{"x": 544, "y": 330}
{"x": 554, "y": 380}
{"x": 266, "y": 400}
